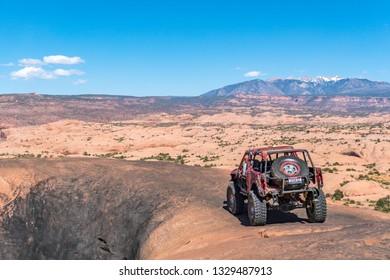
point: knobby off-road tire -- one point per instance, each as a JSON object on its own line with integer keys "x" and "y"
{"x": 316, "y": 210}
{"x": 257, "y": 210}
{"x": 289, "y": 166}
{"x": 235, "y": 200}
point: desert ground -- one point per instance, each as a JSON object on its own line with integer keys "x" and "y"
{"x": 89, "y": 208}
{"x": 196, "y": 146}
{"x": 353, "y": 151}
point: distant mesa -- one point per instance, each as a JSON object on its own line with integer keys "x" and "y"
{"x": 320, "y": 86}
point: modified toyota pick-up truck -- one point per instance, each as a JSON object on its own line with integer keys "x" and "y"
{"x": 281, "y": 178}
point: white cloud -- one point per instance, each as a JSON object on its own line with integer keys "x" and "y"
{"x": 63, "y": 72}
{"x": 31, "y": 72}
{"x": 30, "y": 62}
{"x": 80, "y": 82}
{"x": 10, "y": 64}
{"x": 51, "y": 59}
{"x": 37, "y": 69}
{"x": 62, "y": 59}
{"x": 254, "y": 74}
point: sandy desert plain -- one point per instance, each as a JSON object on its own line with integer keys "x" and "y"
{"x": 352, "y": 148}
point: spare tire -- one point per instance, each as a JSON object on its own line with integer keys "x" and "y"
{"x": 289, "y": 166}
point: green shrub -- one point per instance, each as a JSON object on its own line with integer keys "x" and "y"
{"x": 370, "y": 165}
{"x": 374, "y": 172}
{"x": 344, "y": 183}
{"x": 327, "y": 169}
{"x": 338, "y": 195}
{"x": 363, "y": 177}
{"x": 383, "y": 204}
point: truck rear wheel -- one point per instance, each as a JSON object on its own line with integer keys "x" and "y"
{"x": 257, "y": 210}
{"x": 235, "y": 200}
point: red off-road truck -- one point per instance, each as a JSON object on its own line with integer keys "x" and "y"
{"x": 281, "y": 178}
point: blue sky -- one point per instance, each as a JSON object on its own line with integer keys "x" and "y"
{"x": 186, "y": 47}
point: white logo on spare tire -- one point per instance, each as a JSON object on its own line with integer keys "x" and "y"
{"x": 290, "y": 169}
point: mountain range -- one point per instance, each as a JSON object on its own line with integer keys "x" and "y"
{"x": 321, "y": 94}
{"x": 319, "y": 86}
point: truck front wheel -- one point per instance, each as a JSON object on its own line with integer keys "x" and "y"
{"x": 235, "y": 200}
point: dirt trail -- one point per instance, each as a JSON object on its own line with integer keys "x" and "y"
{"x": 110, "y": 209}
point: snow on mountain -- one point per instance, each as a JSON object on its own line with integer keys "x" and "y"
{"x": 321, "y": 79}
{"x": 321, "y": 85}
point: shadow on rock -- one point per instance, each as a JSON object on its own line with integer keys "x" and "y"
{"x": 273, "y": 217}
{"x": 95, "y": 208}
